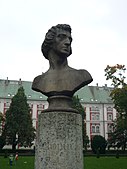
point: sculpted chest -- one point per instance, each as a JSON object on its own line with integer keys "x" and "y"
{"x": 62, "y": 82}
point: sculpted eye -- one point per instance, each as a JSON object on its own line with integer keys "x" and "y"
{"x": 62, "y": 36}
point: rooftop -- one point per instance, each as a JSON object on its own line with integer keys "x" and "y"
{"x": 87, "y": 94}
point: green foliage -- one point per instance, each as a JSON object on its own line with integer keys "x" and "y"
{"x": 119, "y": 93}
{"x": 2, "y": 138}
{"x": 1, "y": 117}
{"x": 77, "y": 105}
{"x": 98, "y": 144}
{"x": 115, "y": 74}
{"x": 119, "y": 97}
{"x": 118, "y": 137}
{"x": 2, "y": 141}
{"x": 18, "y": 125}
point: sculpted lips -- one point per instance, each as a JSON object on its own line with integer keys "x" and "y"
{"x": 67, "y": 49}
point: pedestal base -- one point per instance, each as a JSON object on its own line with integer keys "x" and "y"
{"x": 59, "y": 141}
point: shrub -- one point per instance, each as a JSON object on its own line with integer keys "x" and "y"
{"x": 2, "y": 142}
{"x": 98, "y": 144}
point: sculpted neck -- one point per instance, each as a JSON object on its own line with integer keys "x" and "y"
{"x": 57, "y": 61}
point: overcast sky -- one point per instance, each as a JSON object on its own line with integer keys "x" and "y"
{"x": 99, "y": 31}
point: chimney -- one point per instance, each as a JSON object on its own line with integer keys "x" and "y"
{"x": 20, "y": 82}
{"x": 6, "y": 82}
{"x": 105, "y": 87}
{"x": 97, "y": 86}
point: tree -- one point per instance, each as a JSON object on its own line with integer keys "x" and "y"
{"x": 119, "y": 97}
{"x": 77, "y": 105}
{"x": 18, "y": 124}
{"x": 98, "y": 144}
{"x": 1, "y": 121}
{"x": 2, "y": 137}
{"x": 115, "y": 74}
{"x": 1, "y": 117}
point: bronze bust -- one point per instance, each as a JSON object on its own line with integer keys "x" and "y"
{"x": 60, "y": 79}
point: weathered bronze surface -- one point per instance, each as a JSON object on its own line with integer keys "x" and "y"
{"x": 60, "y": 79}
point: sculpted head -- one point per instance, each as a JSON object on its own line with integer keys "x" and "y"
{"x": 56, "y": 32}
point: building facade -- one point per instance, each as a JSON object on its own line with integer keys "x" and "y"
{"x": 95, "y": 100}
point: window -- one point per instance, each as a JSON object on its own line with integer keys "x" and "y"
{"x": 97, "y": 129}
{"x": 109, "y": 109}
{"x": 95, "y": 113}
{"x": 7, "y": 104}
{"x": 40, "y": 106}
{"x": 38, "y": 112}
{"x": 110, "y": 116}
{"x": 93, "y": 129}
{"x": 30, "y": 105}
{"x": 95, "y": 116}
{"x": 110, "y": 128}
{"x": 94, "y": 109}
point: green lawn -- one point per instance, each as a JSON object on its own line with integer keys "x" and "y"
{"x": 22, "y": 163}
{"x": 90, "y": 163}
{"x": 105, "y": 163}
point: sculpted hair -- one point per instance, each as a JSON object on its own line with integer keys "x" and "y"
{"x": 49, "y": 38}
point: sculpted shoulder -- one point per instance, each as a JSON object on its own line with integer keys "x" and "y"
{"x": 80, "y": 78}
{"x": 37, "y": 82}
{"x": 65, "y": 82}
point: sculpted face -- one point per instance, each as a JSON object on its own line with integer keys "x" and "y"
{"x": 62, "y": 43}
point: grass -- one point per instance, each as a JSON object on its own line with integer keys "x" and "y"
{"x": 105, "y": 163}
{"x": 89, "y": 163}
{"x": 22, "y": 163}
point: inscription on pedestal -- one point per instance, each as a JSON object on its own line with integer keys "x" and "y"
{"x": 59, "y": 145}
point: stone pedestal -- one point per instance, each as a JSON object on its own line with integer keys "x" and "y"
{"x": 59, "y": 140}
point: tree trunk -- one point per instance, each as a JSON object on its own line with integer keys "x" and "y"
{"x": 13, "y": 147}
{"x": 14, "y": 144}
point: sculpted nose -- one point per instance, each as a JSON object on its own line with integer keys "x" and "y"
{"x": 67, "y": 41}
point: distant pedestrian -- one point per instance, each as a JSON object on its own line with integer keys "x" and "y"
{"x": 16, "y": 157}
{"x": 11, "y": 158}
